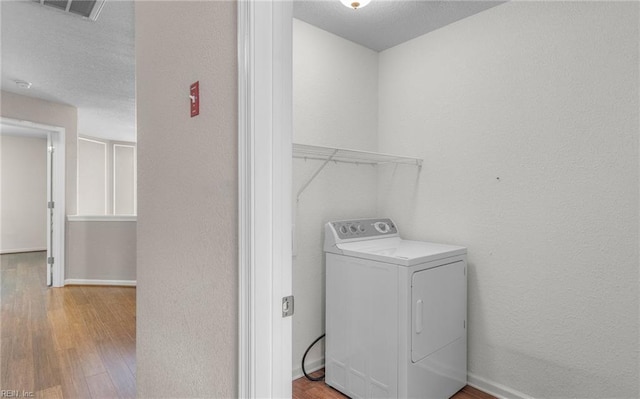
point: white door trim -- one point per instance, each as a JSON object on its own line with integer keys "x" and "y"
{"x": 264, "y": 174}
{"x": 59, "y": 189}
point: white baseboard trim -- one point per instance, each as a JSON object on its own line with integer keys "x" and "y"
{"x": 19, "y": 250}
{"x": 493, "y": 388}
{"x": 80, "y": 281}
{"x": 310, "y": 367}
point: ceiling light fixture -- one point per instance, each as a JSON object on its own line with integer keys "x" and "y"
{"x": 355, "y": 4}
{"x": 23, "y": 84}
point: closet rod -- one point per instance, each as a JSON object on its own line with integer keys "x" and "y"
{"x": 317, "y": 152}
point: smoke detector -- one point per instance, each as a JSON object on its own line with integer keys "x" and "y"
{"x": 89, "y": 9}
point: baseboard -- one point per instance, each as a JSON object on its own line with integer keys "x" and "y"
{"x": 483, "y": 384}
{"x": 20, "y": 250}
{"x": 80, "y": 281}
{"x": 310, "y": 367}
{"x": 494, "y": 388}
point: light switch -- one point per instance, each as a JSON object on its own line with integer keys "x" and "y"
{"x": 194, "y": 96}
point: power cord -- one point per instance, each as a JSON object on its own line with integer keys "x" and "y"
{"x": 305, "y": 356}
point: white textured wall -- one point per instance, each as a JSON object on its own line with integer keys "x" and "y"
{"x": 187, "y": 200}
{"x": 527, "y": 117}
{"x": 100, "y": 250}
{"x": 23, "y": 206}
{"x": 35, "y": 110}
{"x": 334, "y": 104}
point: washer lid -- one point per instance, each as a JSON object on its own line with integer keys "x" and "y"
{"x": 400, "y": 252}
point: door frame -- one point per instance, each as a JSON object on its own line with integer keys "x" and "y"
{"x": 264, "y": 197}
{"x": 56, "y": 136}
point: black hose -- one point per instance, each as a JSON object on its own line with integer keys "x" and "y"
{"x": 305, "y": 356}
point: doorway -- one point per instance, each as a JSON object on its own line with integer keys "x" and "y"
{"x": 265, "y": 151}
{"x": 54, "y": 206}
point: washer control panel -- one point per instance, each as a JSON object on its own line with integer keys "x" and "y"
{"x": 362, "y": 228}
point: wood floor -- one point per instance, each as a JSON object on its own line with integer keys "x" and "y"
{"x": 71, "y": 342}
{"x": 79, "y": 341}
{"x": 305, "y": 389}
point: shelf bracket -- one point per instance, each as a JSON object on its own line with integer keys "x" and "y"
{"x": 306, "y": 184}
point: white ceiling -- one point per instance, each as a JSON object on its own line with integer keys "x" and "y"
{"x": 385, "y": 23}
{"x": 91, "y": 65}
{"x": 71, "y": 60}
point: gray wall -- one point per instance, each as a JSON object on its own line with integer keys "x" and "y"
{"x": 187, "y": 200}
{"x": 527, "y": 117}
{"x": 23, "y": 206}
{"x": 100, "y": 250}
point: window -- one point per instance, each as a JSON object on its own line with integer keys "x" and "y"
{"x": 124, "y": 179}
{"x": 106, "y": 177}
{"x": 92, "y": 177}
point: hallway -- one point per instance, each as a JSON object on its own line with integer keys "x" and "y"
{"x": 71, "y": 342}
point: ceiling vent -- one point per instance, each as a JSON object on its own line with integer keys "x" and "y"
{"x": 89, "y": 9}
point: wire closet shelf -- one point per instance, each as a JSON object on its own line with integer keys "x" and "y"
{"x": 344, "y": 155}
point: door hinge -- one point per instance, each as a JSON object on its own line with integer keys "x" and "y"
{"x": 51, "y": 204}
{"x": 50, "y": 260}
{"x": 51, "y": 149}
{"x": 287, "y": 306}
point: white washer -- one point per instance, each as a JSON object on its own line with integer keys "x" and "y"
{"x": 396, "y": 313}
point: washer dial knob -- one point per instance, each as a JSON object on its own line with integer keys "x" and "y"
{"x": 353, "y": 228}
{"x": 343, "y": 229}
{"x": 382, "y": 227}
